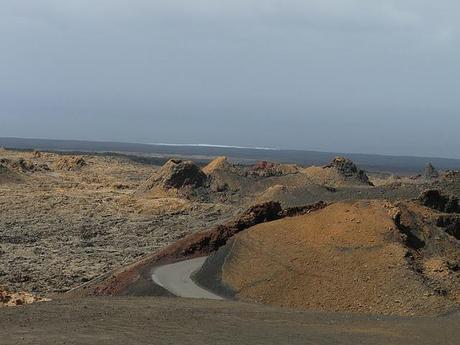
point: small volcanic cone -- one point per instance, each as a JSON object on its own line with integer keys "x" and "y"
{"x": 181, "y": 177}
{"x": 340, "y": 172}
{"x": 219, "y": 163}
{"x": 349, "y": 169}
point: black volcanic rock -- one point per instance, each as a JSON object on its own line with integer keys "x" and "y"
{"x": 436, "y": 200}
{"x": 349, "y": 169}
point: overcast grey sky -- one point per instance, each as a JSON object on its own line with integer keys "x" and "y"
{"x": 334, "y": 75}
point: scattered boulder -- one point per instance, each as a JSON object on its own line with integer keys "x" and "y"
{"x": 348, "y": 169}
{"x": 23, "y": 166}
{"x": 436, "y": 200}
{"x": 72, "y": 163}
{"x": 430, "y": 172}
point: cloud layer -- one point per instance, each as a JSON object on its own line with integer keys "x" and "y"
{"x": 369, "y": 76}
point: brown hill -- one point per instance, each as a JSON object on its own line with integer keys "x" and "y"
{"x": 367, "y": 256}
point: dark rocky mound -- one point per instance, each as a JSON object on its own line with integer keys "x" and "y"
{"x": 176, "y": 174}
{"x": 37, "y": 154}
{"x": 436, "y": 200}
{"x": 71, "y": 163}
{"x": 8, "y": 176}
{"x": 3, "y": 169}
{"x": 23, "y": 166}
{"x": 430, "y": 172}
{"x": 348, "y": 169}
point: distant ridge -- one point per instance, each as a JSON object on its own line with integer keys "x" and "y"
{"x": 370, "y": 162}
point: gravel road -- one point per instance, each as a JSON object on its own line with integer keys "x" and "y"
{"x": 176, "y": 279}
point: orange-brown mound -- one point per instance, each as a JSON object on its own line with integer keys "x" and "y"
{"x": 9, "y": 299}
{"x": 219, "y": 163}
{"x": 345, "y": 257}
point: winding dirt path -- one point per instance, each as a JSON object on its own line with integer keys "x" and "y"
{"x": 176, "y": 279}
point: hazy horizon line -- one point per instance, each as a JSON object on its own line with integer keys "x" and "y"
{"x": 237, "y": 147}
{"x": 219, "y": 146}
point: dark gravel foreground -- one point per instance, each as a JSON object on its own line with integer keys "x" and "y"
{"x": 140, "y": 320}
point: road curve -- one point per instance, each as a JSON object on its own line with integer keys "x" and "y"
{"x": 176, "y": 279}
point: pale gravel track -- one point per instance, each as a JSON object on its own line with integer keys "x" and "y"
{"x": 176, "y": 278}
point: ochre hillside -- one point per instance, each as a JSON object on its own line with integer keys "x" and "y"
{"x": 359, "y": 257}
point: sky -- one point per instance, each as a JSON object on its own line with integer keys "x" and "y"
{"x": 365, "y": 76}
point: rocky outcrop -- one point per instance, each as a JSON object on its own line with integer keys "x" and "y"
{"x": 451, "y": 224}
{"x": 72, "y": 163}
{"x": 7, "y": 175}
{"x": 9, "y": 299}
{"x": 3, "y": 169}
{"x": 207, "y": 242}
{"x": 23, "y": 166}
{"x": 268, "y": 169}
{"x": 348, "y": 169}
{"x": 436, "y": 200}
{"x": 430, "y": 172}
